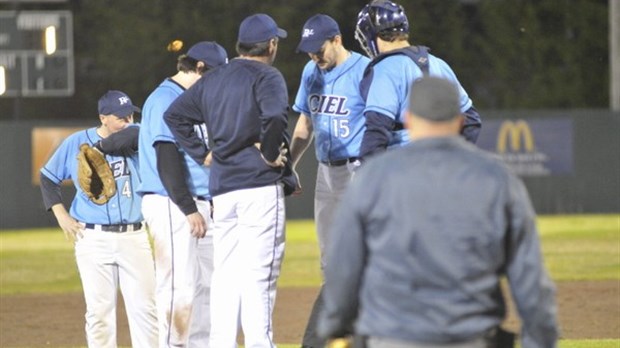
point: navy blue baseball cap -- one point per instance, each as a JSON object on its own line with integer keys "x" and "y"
{"x": 316, "y": 31}
{"x": 208, "y": 52}
{"x": 259, "y": 28}
{"x": 116, "y": 103}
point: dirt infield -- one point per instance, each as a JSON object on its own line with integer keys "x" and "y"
{"x": 587, "y": 310}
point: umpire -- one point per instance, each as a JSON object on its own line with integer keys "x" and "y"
{"x": 423, "y": 236}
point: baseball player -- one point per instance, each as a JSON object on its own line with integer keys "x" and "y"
{"x": 331, "y": 107}
{"x": 112, "y": 249}
{"x": 176, "y": 207}
{"x": 244, "y": 105}
{"x": 383, "y": 32}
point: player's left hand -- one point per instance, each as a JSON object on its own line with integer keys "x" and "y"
{"x": 280, "y": 161}
{"x": 208, "y": 159}
{"x": 197, "y": 225}
{"x": 95, "y": 176}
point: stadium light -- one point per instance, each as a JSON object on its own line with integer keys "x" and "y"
{"x": 50, "y": 40}
{"x": 2, "y": 80}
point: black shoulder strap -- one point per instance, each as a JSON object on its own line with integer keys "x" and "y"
{"x": 419, "y": 54}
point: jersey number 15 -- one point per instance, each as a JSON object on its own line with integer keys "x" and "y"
{"x": 340, "y": 126}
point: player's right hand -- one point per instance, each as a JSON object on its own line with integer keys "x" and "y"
{"x": 280, "y": 161}
{"x": 197, "y": 225}
{"x": 298, "y": 190}
{"x": 72, "y": 229}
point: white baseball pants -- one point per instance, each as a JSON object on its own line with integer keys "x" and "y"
{"x": 183, "y": 267}
{"x": 248, "y": 239}
{"x": 107, "y": 260}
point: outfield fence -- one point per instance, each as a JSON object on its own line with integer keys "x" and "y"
{"x": 569, "y": 160}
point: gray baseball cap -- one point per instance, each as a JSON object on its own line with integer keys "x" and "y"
{"x": 434, "y": 99}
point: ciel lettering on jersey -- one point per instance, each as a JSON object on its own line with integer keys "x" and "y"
{"x": 328, "y": 104}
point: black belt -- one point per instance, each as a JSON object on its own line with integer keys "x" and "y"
{"x": 341, "y": 162}
{"x": 200, "y": 198}
{"x": 115, "y": 228}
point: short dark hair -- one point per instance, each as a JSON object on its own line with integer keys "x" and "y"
{"x": 434, "y": 99}
{"x": 392, "y": 36}
{"x": 186, "y": 64}
{"x": 259, "y": 49}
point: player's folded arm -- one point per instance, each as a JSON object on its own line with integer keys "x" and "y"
{"x": 121, "y": 143}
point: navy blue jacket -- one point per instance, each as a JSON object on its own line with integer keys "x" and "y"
{"x": 242, "y": 103}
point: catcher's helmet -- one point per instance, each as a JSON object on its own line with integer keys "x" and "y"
{"x": 376, "y": 17}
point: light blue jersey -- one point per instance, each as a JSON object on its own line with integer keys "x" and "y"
{"x": 154, "y": 129}
{"x": 389, "y": 89}
{"x": 122, "y": 208}
{"x": 333, "y": 101}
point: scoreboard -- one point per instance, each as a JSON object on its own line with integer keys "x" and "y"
{"x": 36, "y": 54}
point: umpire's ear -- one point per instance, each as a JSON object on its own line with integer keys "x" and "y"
{"x": 407, "y": 120}
{"x": 461, "y": 121}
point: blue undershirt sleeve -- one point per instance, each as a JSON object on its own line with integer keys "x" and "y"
{"x": 50, "y": 191}
{"x": 172, "y": 174}
{"x": 472, "y": 125}
{"x": 377, "y": 135}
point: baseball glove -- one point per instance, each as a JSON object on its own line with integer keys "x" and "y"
{"x": 94, "y": 175}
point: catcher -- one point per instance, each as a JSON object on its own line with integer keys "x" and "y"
{"x": 112, "y": 249}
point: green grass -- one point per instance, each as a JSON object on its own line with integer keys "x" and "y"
{"x": 301, "y": 259}
{"x": 581, "y": 247}
{"x": 37, "y": 261}
{"x": 589, "y": 343}
{"x": 576, "y": 247}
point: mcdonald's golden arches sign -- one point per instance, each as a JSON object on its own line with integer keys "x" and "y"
{"x": 531, "y": 147}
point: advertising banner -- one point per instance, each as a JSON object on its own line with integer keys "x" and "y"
{"x": 532, "y": 147}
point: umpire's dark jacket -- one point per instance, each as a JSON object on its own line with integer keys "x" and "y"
{"x": 421, "y": 240}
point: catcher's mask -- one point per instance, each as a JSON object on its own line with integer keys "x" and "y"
{"x": 376, "y": 17}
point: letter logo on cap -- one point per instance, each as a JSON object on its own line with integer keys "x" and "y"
{"x": 308, "y": 33}
{"x": 123, "y": 100}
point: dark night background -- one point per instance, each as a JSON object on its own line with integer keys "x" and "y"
{"x": 506, "y": 53}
